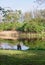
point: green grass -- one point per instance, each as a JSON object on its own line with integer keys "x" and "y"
{"x": 15, "y": 57}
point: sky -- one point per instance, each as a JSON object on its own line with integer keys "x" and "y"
{"x": 24, "y": 5}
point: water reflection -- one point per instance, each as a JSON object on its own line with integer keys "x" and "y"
{"x": 25, "y": 44}
{"x": 14, "y": 47}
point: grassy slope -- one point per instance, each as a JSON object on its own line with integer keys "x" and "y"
{"x": 15, "y": 57}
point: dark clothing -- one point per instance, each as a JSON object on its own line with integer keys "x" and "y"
{"x": 18, "y": 47}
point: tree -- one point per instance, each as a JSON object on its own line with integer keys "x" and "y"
{"x": 27, "y": 16}
{"x": 1, "y": 13}
{"x": 40, "y": 2}
{"x": 12, "y": 16}
{"x": 39, "y": 13}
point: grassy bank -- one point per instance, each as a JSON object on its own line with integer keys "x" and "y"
{"x": 15, "y": 57}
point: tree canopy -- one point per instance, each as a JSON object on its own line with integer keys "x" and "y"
{"x": 27, "y": 22}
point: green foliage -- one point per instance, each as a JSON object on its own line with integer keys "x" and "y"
{"x": 32, "y": 26}
{"x": 12, "y": 19}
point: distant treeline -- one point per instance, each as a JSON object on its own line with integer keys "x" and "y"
{"x": 25, "y": 22}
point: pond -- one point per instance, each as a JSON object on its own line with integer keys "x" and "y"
{"x": 12, "y": 46}
{"x": 25, "y": 44}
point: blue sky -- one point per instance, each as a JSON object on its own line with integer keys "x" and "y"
{"x": 24, "y": 5}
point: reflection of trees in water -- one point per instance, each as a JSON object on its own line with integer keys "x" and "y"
{"x": 23, "y": 42}
{"x": 32, "y": 42}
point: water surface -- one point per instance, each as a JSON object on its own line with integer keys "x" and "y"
{"x": 25, "y": 44}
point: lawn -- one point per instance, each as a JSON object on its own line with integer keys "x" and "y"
{"x": 16, "y": 57}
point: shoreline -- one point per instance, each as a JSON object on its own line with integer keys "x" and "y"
{"x": 20, "y": 35}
